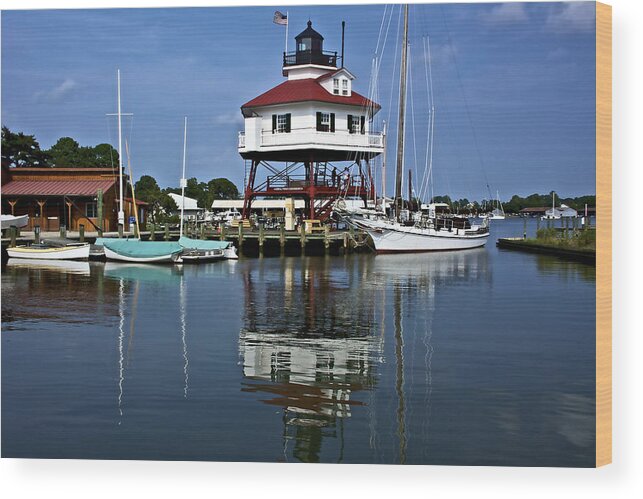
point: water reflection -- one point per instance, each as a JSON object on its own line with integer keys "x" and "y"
{"x": 314, "y": 337}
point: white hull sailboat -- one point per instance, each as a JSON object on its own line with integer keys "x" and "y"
{"x": 196, "y": 250}
{"x": 392, "y": 237}
{"x": 133, "y": 250}
{"x": 433, "y": 229}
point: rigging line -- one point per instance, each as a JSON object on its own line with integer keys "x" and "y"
{"x": 464, "y": 98}
{"x": 415, "y": 158}
{"x": 426, "y": 157}
{"x": 109, "y": 136}
{"x": 379, "y": 36}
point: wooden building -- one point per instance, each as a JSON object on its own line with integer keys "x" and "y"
{"x": 53, "y": 197}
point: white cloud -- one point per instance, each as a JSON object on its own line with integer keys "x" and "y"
{"x": 572, "y": 16}
{"x": 506, "y": 13}
{"x": 57, "y": 92}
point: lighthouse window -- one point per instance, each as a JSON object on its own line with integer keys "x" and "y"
{"x": 344, "y": 87}
{"x": 336, "y": 86}
{"x": 325, "y": 122}
{"x": 281, "y": 123}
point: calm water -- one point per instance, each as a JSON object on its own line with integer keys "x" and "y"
{"x": 483, "y": 357}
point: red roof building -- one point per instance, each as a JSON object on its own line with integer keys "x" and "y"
{"x": 66, "y": 196}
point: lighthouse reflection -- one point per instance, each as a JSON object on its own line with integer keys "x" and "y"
{"x": 315, "y": 339}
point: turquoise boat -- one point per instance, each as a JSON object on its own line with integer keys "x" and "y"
{"x": 134, "y": 250}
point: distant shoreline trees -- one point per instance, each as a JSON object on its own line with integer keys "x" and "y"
{"x": 517, "y": 203}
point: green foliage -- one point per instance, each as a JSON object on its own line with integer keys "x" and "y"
{"x": 67, "y": 153}
{"x": 206, "y": 193}
{"x": 160, "y": 203}
{"x": 20, "y": 150}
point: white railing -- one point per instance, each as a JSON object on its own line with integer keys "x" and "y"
{"x": 307, "y": 137}
{"x": 311, "y": 136}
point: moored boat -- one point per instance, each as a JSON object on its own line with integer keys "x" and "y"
{"x": 7, "y": 221}
{"x": 196, "y": 250}
{"x": 134, "y": 250}
{"x": 77, "y": 251}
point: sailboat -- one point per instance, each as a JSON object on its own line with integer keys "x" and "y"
{"x": 135, "y": 250}
{"x": 498, "y": 213}
{"x": 197, "y": 250}
{"x": 433, "y": 228}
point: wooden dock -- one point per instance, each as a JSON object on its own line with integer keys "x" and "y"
{"x": 249, "y": 242}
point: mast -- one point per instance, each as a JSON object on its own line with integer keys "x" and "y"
{"x": 400, "y": 126}
{"x": 384, "y": 167}
{"x": 183, "y": 182}
{"x": 121, "y": 213}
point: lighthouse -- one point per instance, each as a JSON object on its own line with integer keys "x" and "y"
{"x": 310, "y": 137}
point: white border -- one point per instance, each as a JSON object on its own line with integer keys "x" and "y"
{"x": 116, "y": 479}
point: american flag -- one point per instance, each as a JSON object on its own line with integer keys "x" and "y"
{"x": 280, "y": 18}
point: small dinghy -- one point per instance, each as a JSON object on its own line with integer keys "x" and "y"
{"x": 74, "y": 251}
{"x": 134, "y": 250}
{"x": 196, "y": 250}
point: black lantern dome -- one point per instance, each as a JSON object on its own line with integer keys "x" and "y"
{"x": 310, "y": 50}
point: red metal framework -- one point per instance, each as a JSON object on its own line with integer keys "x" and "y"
{"x": 319, "y": 183}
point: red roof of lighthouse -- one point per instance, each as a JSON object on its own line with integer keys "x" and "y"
{"x": 305, "y": 90}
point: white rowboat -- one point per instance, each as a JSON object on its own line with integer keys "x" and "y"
{"x": 72, "y": 252}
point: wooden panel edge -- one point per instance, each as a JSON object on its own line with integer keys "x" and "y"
{"x": 603, "y": 234}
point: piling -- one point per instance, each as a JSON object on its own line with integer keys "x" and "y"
{"x": 167, "y": 232}
{"x": 524, "y": 228}
{"x": 13, "y": 232}
{"x": 120, "y": 231}
{"x": 152, "y": 232}
{"x": 63, "y": 232}
{"x": 282, "y": 238}
{"x": 351, "y": 233}
{"x": 302, "y": 237}
{"x": 261, "y": 239}
{"x": 99, "y": 211}
{"x": 327, "y": 239}
{"x": 566, "y": 227}
{"x": 81, "y": 233}
{"x": 345, "y": 246}
{"x": 36, "y": 234}
{"x": 240, "y": 235}
{"x": 222, "y": 234}
{"x": 202, "y": 232}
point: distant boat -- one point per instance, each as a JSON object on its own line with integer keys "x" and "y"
{"x": 8, "y": 221}
{"x": 498, "y": 213}
{"x": 77, "y": 251}
{"x": 134, "y": 250}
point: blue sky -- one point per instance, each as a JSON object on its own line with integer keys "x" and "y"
{"x": 513, "y": 83}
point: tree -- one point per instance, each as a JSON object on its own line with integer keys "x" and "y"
{"x": 104, "y": 155}
{"x": 20, "y": 150}
{"x": 160, "y": 203}
{"x": 222, "y": 188}
{"x": 65, "y": 153}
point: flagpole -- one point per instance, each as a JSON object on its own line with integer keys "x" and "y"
{"x": 287, "y": 23}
